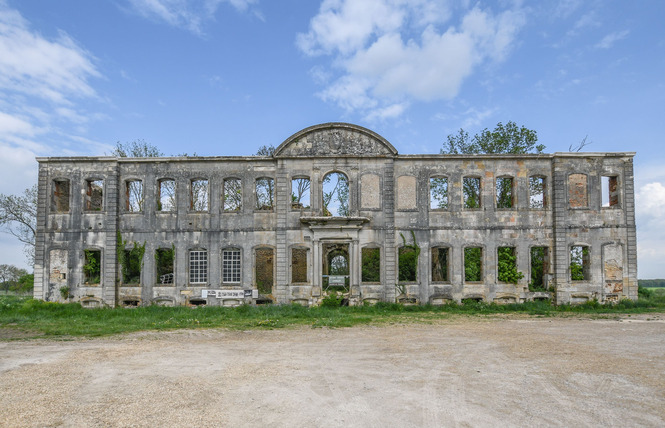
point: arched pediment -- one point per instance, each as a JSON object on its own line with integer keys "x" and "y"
{"x": 335, "y": 139}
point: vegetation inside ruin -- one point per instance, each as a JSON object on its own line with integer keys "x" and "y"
{"x": 36, "y": 318}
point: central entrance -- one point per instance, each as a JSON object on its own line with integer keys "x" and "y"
{"x": 335, "y": 272}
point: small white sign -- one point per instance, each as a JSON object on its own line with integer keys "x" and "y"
{"x": 336, "y": 280}
{"x": 223, "y": 294}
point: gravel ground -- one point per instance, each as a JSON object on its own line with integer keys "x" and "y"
{"x": 464, "y": 371}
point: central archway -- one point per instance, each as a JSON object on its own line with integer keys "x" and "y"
{"x": 335, "y": 263}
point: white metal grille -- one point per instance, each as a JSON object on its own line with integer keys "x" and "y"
{"x": 231, "y": 266}
{"x": 198, "y": 267}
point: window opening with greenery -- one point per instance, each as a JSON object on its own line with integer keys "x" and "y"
{"x": 166, "y": 198}
{"x": 371, "y": 264}
{"x": 473, "y": 264}
{"x": 164, "y": 262}
{"x": 300, "y": 187}
{"x": 507, "y": 265}
{"x": 134, "y": 196}
{"x": 440, "y": 264}
{"x": 537, "y": 192}
{"x": 265, "y": 194}
{"x": 92, "y": 266}
{"x": 335, "y": 195}
{"x": 199, "y": 195}
{"x": 539, "y": 268}
{"x": 438, "y": 196}
{"x": 504, "y": 192}
{"x": 579, "y": 263}
{"x": 471, "y": 192}
{"x": 232, "y": 195}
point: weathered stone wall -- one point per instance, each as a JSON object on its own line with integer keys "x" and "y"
{"x": 389, "y": 207}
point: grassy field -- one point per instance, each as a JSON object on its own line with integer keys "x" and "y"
{"x": 34, "y": 318}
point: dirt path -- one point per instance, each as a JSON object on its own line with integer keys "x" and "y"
{"x": 512, "y": 371}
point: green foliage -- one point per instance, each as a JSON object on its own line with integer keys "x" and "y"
{"x": 371, "y": 265}
{"x": 507, "y": 261}
{"x": 504, "y": 192}
{"x": 578, "y": 256}
{"x": 537, "y": 266}
{"x": 64, "y": 292}
{"x": 131, "y": 261}
{"x": 473, "y": 264}
{"x": 471, "y": 192}
{"x": 651, "y": 282}
{"x": 164, "y": 261}
{"x": 268, "y": 150}
{"x": 136, "y": 149}
{"x": 438, "y": 193}
{"x": 92, "y": 266}
{"x": 335, "y": 194}
{"x": 333, "y": 299}
{"x": 508, "y": 138}
{"x": 25, "y": 284}
{"x": 408, "y": 260}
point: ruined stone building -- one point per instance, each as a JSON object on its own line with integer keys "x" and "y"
{"x": 336, "y": 208}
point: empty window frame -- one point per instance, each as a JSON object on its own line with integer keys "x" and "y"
{"x": 471, "y": 192}
{"x": 231, "y": 266}
{"x": 438, "y": 193}
{"x": 371, "y": 264}
{"x": 92, "y": 266}
{"x": 335, "y": 194}
{"x": 199, "y": 196}
{"x": 198, "y": 266}
{"x": 504, "y": 193}
{"x": 440, "y": 264}
{"x": 94, "y": 195}
{"x": 407, "y": 264}
{"x": 579, "y": 263}
{"x": 300, "y": 187}
{"x": 610, "y": 191}
{"x": 263, "y": 270}
{"x": 540, "y": 267}
{"x": 299, "y": 265}
{"x": 507, "y": 265}
{"x": 577, "y": 191}
{"x": 60, "y": 196}
{"x": 134, "y": 196}
{"x": 166, "y": 198}
{"x": 131, "y": 263}
{"x": 232, "y": 196}
{"x": 537, "y": 192}
{"x": 265, "y": 194}
{"x": 164, "y": 265}
{"x": 473, "y": 264}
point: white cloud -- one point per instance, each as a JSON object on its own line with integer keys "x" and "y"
{"x": 388, "y": 53}
{"x": 187, "y": 14}
{"x": 609, "y": 40}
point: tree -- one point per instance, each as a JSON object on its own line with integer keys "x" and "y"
{"x": 136, "y": 149}
{"x": 508, "y": 138}
{"x": 18, "y": 216}
{"x": 268, "y": 150}
{"x": 10, "y": 275}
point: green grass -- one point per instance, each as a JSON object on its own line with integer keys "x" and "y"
{"x": 39, "y": 318}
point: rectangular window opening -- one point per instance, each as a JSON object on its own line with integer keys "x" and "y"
{"x": 507, "y": 265}
{"x": 134, "y": 196}
{"x": 132, "y": 261}
{"x": 438, "y": 196}
{"x": 92, "y": 267}
{"x": 473, "y": 264}
{"x": 299, "y": 265}
{"x": 471, "y": 192}
{"x": 166, "y": 199}
{"x": 232, "y": 195}
{"x": 579, "y": 263}
{"x": 537, "y": 192}
{"x": 300, "y": 193}
{"x": 440, "y": 264}
{"x": 504, "y": 192}
{"x": 94, "y": 195}
{"x": 263, "y": 270}
{"x": 371, "y": 264}
{"x": 610, "y": 191}
{"x": 539, "y": 262}
{"x": 265, "y": 194}
{"x": 199, "y": 195}
{"x": 198, "y": 267}
{"x": 60, "y": 200}
{"x": 231, "y": 266}
{"x": 164, "y": 263}
{"x": 408, "y": 264}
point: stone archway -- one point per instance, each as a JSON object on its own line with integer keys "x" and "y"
{"x": 335, "y": 267}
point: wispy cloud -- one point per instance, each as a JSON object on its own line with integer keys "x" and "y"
{"x": 190, "y": 15}
{"x": 609, "y": 40}
{"x": 389, "y": 53}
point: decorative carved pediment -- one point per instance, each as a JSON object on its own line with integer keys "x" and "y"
{"x": 335, "y": 139}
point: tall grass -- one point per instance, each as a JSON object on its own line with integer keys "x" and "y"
{"x": 70, "y": 319}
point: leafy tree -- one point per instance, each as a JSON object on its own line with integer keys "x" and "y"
{"x": 508, "y": 138}
{"x": 136, "y": 149}
{"x": 268, "y": 150}
{"x": 25, "y": 283}
{"x": 18, "y": 217}
{"x": 473, "y": 262}
{"x": 371, "y": 265}
{"x": 507, "y": 261}
{"x": 10, "y": 275}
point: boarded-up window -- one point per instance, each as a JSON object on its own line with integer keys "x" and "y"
{"x": 408, "y": 264}
{"x": 335, "y": 195}
{"x": 58, "y": 267}
{"x": 94, "y": 195}
{"x": 60, "y": 196}
{"x": 231, "y": 266}
{"x": 265, "y": 194}
{"x": 198, "y": 266}
{"x": 406, "y": 192}
{"x": 199, "y": 195}
{"x": 134, "y": 196}
{"x": 610, "y": 191}
{"x": 166, "y": 197}
{"x": 370, "y": 193}
{"x": 300, "y": 193}
{"x": 471, "y": 192}
{"x": 440, "y": 260}
{"x": 371, "y": 264}
{"x": 164, "y": 258}
{"x": 473, "y": 264}
{"x": 263, "y": 270}
{"x": 537, "y": 192}
{"x": 613, "y": 268}
{"x": 299, "y": 265}
{"x": 92, "y": 266}
{"x": 504, "y": 192}
{"x": 577, "y": 191}
{"x": 579, "y": 263}
{"x": 540, "y": 261}
{"x": 232, "y": 195}
{"x": 438, "y": 193}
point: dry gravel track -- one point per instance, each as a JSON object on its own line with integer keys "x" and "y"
{"x": 463, "y": 371}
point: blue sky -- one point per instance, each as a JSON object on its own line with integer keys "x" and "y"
{"x": 223, "y": 77}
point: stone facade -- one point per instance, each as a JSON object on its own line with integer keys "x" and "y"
{"x": 230, "y": 230}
